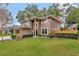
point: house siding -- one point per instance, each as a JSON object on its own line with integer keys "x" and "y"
{"x": 37, "y": 27}
{"x": 51, "y": 25}
{"x": 55, "y": 25}
{"x": 46, "y": 23}
{"x": 26, "y": 32}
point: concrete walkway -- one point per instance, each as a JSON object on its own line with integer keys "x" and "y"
{"x": 6, "y": 38}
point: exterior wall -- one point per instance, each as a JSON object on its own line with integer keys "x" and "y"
{"x": 38, "y": 23}
{"x": 55, "y": 25}
{"x": 46, "y": 24}
{"x": 26, "y": 31}
{"x": 51, "y": 25}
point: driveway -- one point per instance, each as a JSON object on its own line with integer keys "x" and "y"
{"x": 6, "y": 38}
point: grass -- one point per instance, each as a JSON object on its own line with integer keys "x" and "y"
{"x": 40, "y": 47}
{"x": 4, "y": 34}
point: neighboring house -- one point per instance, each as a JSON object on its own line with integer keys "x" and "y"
{"x": 22, "y": 29}
{"x": 73, "y": 27}
{"x": 16, "y": 29}
{"x": 6, "y": 28}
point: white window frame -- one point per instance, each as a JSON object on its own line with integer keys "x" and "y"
{"x": 44, "y": 31}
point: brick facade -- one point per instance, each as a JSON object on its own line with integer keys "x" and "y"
{"x": 47, "y": 24}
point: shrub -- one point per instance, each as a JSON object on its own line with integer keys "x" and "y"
{"x": 13, "y": 36}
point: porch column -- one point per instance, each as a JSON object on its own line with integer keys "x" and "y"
{"x": 35, "y": 28}
{"x": 14, "y": 31}
{"x": 20, "y": 32}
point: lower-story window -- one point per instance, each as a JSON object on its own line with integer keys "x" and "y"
{"x": 44, "y": 31}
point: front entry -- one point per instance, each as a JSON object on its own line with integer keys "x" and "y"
{"x": 35, "y": 33}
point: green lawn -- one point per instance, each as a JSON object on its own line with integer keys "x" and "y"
{"x": 40, "y": 47}
{"x": 4, "y": 34}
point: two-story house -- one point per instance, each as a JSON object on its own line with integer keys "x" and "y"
{"x": 40, "y": 26}
{"x": 45, "y": 25}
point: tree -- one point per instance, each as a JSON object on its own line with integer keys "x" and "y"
{"x": 30, "y": 11}
{"x": 78, "y": 29}
{"x": 73, "y": 16}
{"x": 43, "y": 12}
{"x": 56, "y": 10}
{"x": 33, "y": 10}
{"x": 20, "y": 15}
{"x": 50, "y": 10}
{"x": 5, "y": 16}
{"x": 70, "y": 9}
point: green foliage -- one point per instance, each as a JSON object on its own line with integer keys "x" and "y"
{"x": 13, "y": 36}
{"x": 73, "y": 15}
{"x": 66, "y": 4}
{"x": 32, "y": 10}
{"x": 53, "y": 10}
{"x": 20, "y": 15}
{"x": 78, "y": 27}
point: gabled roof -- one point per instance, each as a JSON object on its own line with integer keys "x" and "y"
{"x": 16, "y": 26}
{"x": 25, "y": 26}
{"x": 55, "y": 18}
{"x": 34, "y": 17}
{"x": 23, "y": 21}
{"x": 50, "y": 16}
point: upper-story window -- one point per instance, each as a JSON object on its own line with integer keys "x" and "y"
{"x": 44, "y": 21}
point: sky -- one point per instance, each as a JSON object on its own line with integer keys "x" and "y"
{"x": 15, "y": 7}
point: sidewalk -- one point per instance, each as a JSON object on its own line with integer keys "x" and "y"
{"x": 6, "y": 38}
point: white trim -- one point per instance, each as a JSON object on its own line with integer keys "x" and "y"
{"x": 44, "y": 31}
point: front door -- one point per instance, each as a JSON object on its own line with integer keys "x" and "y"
{"x": 35, "y": 33}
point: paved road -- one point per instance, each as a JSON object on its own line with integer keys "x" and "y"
{"x": 6, "y": 38}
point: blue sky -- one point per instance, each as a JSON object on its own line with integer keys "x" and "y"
{"x": 15, "y": 7}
